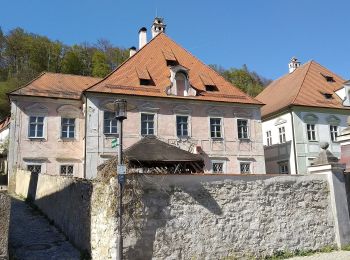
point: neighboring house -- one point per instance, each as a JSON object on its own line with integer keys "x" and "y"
{"x": 4, "y": 141}
{"x": 170, "y": 94}
{"x": 48, "y": 125}
{"x": 302, "y": 110}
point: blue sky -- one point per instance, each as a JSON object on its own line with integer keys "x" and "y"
{"x": 262, "y": 34}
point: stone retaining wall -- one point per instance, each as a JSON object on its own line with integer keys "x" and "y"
{"x": 5, "y": 206}
{"x": 192, "y": 217}
{"x": 66, "y": 201}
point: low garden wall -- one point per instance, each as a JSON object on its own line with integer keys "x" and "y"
{"x": 189, "y": 217}
{"x": 5, "y": 206}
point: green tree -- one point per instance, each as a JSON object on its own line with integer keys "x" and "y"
{"x": 100, "y": 66}
{"x": 248, "y": 81}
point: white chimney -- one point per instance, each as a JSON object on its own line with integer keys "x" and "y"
{"x": 158, "y": 26}
{"x": 293, "y": 64}
{"x": 142, "y": 37}
{"x": 132, "y": 51}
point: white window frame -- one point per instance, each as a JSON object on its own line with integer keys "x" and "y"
{"x": 223, "y": 162}
{"x": 188, "y": 126}
{"x": 68, "y": 128}
{"x": 238, "y": 129}
{"x": 221, "y": 128}
{"x": 313, "y": 132}
{"x": 268, "y": 138}
{"x": 43, "y": 127}
{"x": 282, "y": 167}
{"x": 282, "y": 134}
{"x": 154, "y": 124}
{"x": 334, "y": 133}
{"x": 246, "y": 163}
{"x": 66, "y": 174}
{"x": 110, "y": 126}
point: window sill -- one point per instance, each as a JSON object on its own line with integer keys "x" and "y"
{"x": 246, "y": 140}
{"x": 218, "y": 139}
{"x": 111, "y": 136}
{"x": 37, "y": 139}
{"x": 67, "y": 140}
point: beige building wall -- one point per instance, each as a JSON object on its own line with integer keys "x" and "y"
{"x": 51, "y": 151}
{"x": 230, "y": 149}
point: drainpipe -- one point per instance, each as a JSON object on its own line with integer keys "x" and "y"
{"x": 294, "y": 143}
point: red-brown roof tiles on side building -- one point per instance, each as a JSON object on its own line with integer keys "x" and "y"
{"x": 56, "y": 85}
{"x": 152, "y": 58}
{"x": 305, "y": 86}
{"x": 4, "y": 123}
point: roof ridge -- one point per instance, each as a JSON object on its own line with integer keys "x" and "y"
{"x": 122, "y": 64}
{"x": 217, "y": 73}
{"x": 302, "y": 83}
{"x": 69, "y": 74}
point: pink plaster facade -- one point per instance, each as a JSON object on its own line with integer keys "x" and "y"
{"x": 230, "y": 150}
{"x": 51, "y": 151}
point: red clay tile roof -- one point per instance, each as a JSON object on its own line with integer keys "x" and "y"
{"x": 4, "y": 123}
{"x": 56, "y": 85}
{"x": 305, "y": 86}
{"x": 151, "y": 61}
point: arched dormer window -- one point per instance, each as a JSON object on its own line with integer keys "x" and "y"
{"x": 181, "y": 84}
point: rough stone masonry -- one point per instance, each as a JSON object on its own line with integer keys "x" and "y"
{"x": 190, "y": 216}
{"x": 5, "y": 205}
{"x": 208, "y": 217}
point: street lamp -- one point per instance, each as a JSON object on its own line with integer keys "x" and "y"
{"x": 120, "y": 106}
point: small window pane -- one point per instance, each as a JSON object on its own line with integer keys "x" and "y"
{"x": 147, "y": 124}
{"x": 215, "y": 128}
{"x": 242, "y": 127}
{"x": 218, "y": 167}
{"x": 245, "y": 167}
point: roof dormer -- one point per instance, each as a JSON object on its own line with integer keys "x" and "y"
{"x": 180, "y": 85}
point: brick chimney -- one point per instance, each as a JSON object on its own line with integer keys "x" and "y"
{"x": 132, "y": 51}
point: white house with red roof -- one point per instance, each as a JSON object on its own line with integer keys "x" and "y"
{"x": 302, "y": 110}
{"x": 171, "y": 95}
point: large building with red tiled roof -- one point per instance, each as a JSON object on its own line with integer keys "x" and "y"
{"x": 170, "y": 94}
{"x": 302, "y": 110}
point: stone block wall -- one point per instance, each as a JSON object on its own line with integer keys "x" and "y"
{"x": 5, "y": 205}
{"x": 211, "y": 217}
{"x": 190, "y": 217}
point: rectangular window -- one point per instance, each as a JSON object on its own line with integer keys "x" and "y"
{"x": 242, "y": 127}
{"x": 311, "y": 132}
{"x": 218, "y": 167}
{"x": 283, "y": 167}
{"x": 67, "y": 170}
{"x": 268, "y": 138}
{"x": 109, "y": 123}
{"x": 182, "y": 126}
{"x": 147, "y": 124}
{"x": 245, "y": 167}
{"x": 34, "y": 168}
{"x": 215, "y": 128}
{"x": 282, "y": 133}
{"x": 334, "y": 132}
{"x": 67, "y": 127}
{"x": 36, "y": 126}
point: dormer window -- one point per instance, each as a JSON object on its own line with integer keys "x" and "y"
{"x": 181, "y": 84}
{"x": 328, "y": 78}
{"x": 211, "y": 88}
{"x": 328, "y": 95}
